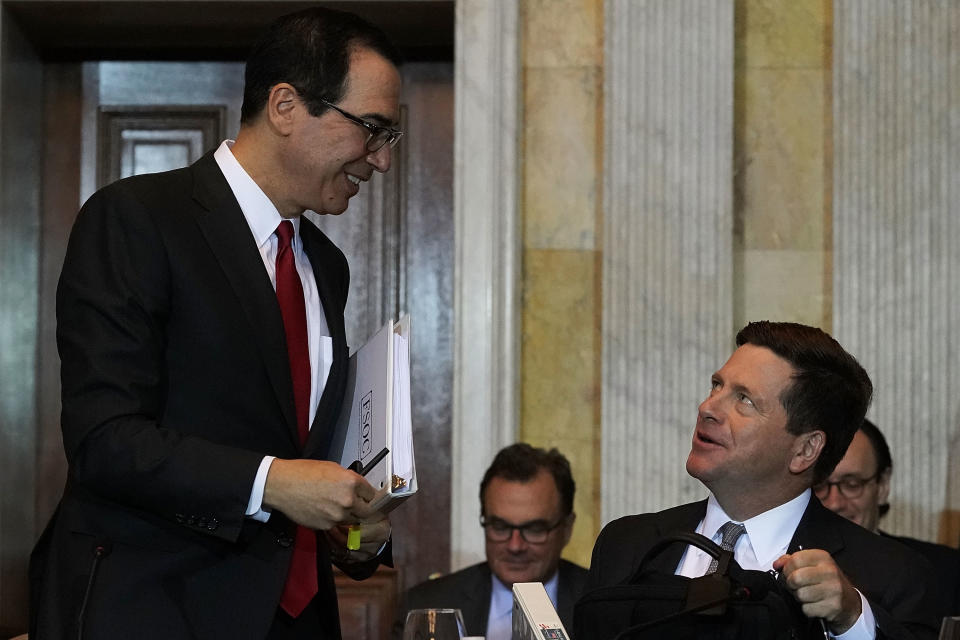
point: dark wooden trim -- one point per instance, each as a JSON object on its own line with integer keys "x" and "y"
{"x": 367, "y": 607}
{"x": 112, "y": 121}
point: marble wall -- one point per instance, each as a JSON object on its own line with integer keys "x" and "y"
{"x": 668, "y": 240}
{"x": 896, "y": 239}
{"x": 782, "y": 162}
{"x": 562, "y": 58}
{"x": 688, "y": 166}
{"x": 487, "y": 275}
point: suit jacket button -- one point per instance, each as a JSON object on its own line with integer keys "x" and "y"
{"x": 179, "y": 518}
{"x": 213, "y": 524}
{"x": 284, "y": 540}
{"x": 191, "y": 520}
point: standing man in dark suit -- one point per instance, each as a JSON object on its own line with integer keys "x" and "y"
{"x": 858, "y": 490}
{"x": 526, "y": 510}
{"x": 200, "y": 329}
{"x": 778, "y": 418}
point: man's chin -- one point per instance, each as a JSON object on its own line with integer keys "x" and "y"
{"x": 333, "y": 206}
{"x": 696, "y": 466}
{"x": 508, "y": 577}
{"x": 329, "y": 211}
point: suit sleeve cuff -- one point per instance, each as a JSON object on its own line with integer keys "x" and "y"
{"x": 255, "y": 508}
{"x": 865, "y": 628}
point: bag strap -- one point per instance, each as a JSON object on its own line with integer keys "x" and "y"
{"x": 722, "y": 556}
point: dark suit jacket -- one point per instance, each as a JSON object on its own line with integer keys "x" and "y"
{"x": 175, "y": 384}
{"x": 469, "y": 590}
{"x": 891, "y": 578}
{"x": 946, "y": 571}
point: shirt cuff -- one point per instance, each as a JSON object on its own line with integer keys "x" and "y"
{"x": 255, "y": 508}
{"x": 865, "y": 628}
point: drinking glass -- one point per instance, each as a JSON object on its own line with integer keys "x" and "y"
{"x": 434, "y": 624}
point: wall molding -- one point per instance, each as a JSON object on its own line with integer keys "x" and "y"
{"x": 487, "y": 261}
{"x": 668, "y": 240}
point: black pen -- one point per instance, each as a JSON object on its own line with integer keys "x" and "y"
{"x": 364, "y": 470}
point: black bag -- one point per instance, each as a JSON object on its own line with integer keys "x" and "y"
{"x": 731, "y": 604}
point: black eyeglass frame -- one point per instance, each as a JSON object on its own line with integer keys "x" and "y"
{"x": 824, "y": 487}
{"x": 389, "y": 136}
{"x": 524, "y": 529}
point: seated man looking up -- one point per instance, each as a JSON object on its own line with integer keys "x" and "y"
{"x": 858, "y": 490}
{"x": 777, "y": 419}
{"x": 526, "y": 511}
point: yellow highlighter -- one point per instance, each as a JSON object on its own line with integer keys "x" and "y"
{"x": 353, "y": 537}
{"x": 353, "y": 533}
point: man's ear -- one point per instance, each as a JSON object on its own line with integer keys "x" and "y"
{"x": 807, "y": 450}
{"x": 282, "y": 105}
{"x": 883, "y": 487}
{"x": 568, "y": 528}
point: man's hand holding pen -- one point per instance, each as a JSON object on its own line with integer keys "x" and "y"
{"x": 320, "y": 494}
{"x": 821, "y": 588}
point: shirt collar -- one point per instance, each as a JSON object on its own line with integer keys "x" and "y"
{"x": 260, "y": 212}
{"x": 501, "y": 598}
{"x": 769, "y": 532}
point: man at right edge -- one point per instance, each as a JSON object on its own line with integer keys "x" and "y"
{"x": 779, "y": 416}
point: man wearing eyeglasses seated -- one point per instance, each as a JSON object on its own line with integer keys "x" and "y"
{"x": 526, "y": 511}
{"x": 858, "y": 490}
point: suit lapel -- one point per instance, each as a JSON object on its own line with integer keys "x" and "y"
{"x": 477, "y": 594}
{"x": 569, "y": 588}
{"x": 815, "y": 531}
{"x": 682, "y": 519}
{"x": 333, "y": 301}
{"x": 566, "y": 597}
{"x": 226, "y": 231}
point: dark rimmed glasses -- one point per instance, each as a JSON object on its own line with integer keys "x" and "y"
{"x": 378, "y": 134}
{"x": 849, "y": 486}
{"x": 535, "y": 532}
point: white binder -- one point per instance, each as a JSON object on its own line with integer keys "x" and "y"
{"x": 374, "y": 435}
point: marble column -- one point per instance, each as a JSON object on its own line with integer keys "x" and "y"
{"x": 486, "y": 331}
{"x": 667, "y": 265}
{"x": 21, "y": 160}
{"x": 897, "y": 241}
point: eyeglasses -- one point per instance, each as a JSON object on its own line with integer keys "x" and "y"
{"x": 535, "y": 532}
{"x": 848, "y": 486}
{"x": 379, "y": 135}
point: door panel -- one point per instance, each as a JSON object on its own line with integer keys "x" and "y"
{"x": 146, "y": 139}
{"x": 398, "y": 238}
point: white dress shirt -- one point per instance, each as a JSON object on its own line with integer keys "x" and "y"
{"x": 500, "y": 615}
{"x": 263, "y": 219}
{"x": 766, "y": 538}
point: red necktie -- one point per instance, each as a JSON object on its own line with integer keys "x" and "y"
{"x": 301, "y": 584}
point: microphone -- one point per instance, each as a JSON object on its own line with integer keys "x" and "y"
{"x": 102, "y": 547}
